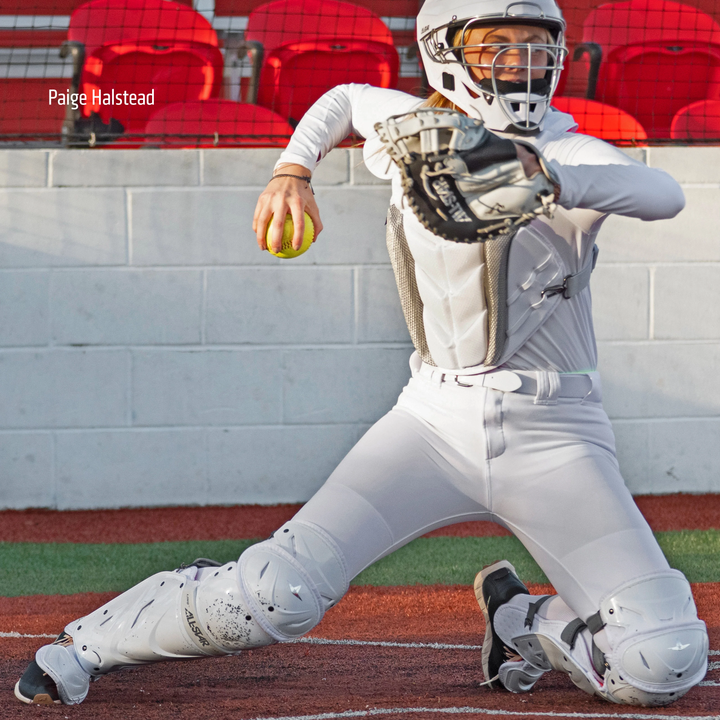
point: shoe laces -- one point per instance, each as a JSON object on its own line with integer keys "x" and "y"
{"x": 491, "y": 680}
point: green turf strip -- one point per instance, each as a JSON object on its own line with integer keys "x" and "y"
{"x": 66, "y": 568}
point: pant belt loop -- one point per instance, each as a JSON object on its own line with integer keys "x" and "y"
{"x": 437, "y": 378}
{"x": 590, "y": 391}
{"x": 548, "y": 387}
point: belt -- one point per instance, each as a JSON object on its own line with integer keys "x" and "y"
{"x": 526, "y": 382}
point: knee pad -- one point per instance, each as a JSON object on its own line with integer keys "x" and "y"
{"x": 658, "y": 646}
{"x": 290, "y": 580}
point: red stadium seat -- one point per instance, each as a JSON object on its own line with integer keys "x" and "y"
{"x": 697, "y": 121}
{"x": 312, "y": 45}
{"x": 31, "y": 34}
{"x": 216, "y": 123}
{"x": 651, "y": 58}
{"x": 141, "y": 47}
{"x": 602, "y": 121}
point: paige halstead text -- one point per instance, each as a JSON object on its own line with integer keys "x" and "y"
{"x": 98, "y": 98}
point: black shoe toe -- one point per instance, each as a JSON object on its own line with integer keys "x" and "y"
{"x": 36, "y": 687}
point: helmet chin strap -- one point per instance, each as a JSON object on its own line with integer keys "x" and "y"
{"x": 497, "y": 95}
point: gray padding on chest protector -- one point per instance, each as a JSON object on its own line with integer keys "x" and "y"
{"x": 403, "y": 265}
{"x": 495, "y": 287}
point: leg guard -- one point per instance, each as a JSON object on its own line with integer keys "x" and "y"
{"x": 657, "y": 646}
{"x": 188, "y": 613}
{"x": 157, "y": 619}
{"x": 278, "y": 590}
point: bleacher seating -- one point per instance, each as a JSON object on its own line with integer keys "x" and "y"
{"x": 651, "y": 58}
{"x": 697, "y": 121}
{"x": 309, "y": 46}
{"x": 216, "y": 123}
{"x": 230, "y": 17}
{"x": 602, "y": 121}
{"x": 31, "y": 33}
{"x": 140, "y": 47}
{"x": 654, "y": 65}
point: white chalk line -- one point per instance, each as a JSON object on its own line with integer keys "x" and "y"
{"x": 367, "y": 643}
{"x": 375, "y": 712}
{"x": 24, "y": 635}
{"x": 379, "y": 643}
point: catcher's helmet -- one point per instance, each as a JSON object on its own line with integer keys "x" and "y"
{"x": 502, "y": 105}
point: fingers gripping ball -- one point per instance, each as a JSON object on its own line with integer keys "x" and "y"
{"x": 287, "y": 250}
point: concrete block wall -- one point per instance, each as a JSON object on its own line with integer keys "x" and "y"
{"x": 150, "y": 354}
{"x": 656, "y": 298}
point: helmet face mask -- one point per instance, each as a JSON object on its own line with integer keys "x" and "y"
{"x": 506, "y": 82}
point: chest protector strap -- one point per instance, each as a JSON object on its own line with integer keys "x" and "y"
{"x": 573, "y": 284}
{"x": 496, "y": 254}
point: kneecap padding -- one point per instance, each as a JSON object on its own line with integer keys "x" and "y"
{"x": 290, "y": 580}
{"x": 657, "y": 642}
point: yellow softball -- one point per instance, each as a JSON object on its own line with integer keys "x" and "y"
{"x": 287, "y": 250}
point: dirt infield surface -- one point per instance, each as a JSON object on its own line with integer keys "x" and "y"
{"x": 395, "y": 652}
{"x": 371, "y": 667}
{"x": 138, "y": 525}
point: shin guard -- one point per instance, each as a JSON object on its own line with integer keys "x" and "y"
{"x": 657, "y": 646}
{"x": 278, "y": 590}
{"x": 168, "y": 616}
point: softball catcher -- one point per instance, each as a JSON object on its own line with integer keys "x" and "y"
{"x": 496, "y": 204}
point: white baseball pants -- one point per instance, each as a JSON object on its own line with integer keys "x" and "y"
{"x": 541, "y": 465}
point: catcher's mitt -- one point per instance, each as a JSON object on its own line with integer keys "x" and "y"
{"x": 463, "y": 182}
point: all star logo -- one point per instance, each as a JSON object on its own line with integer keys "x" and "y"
{"x": 449, "y": 199}
{"x": 195, "y": 628}
{"x": 679, "y": 646}
{"x": 295, "y": 590}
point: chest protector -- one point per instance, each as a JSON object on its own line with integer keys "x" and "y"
{"x": 523, "y": 281}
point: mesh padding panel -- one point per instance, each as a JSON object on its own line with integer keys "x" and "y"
{"x": 496, "y": 254}
{"x": 403, "y": 265}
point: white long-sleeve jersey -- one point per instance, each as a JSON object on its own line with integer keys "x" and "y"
{"x": 544, "y": 333}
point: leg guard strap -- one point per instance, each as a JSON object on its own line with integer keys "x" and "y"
{"x": 571, "y": 631}
{"x": 533, "y": 608}
{"x": 594, "y": 625}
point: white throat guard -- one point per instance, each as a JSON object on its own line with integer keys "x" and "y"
{"x": 503, "y": 106}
